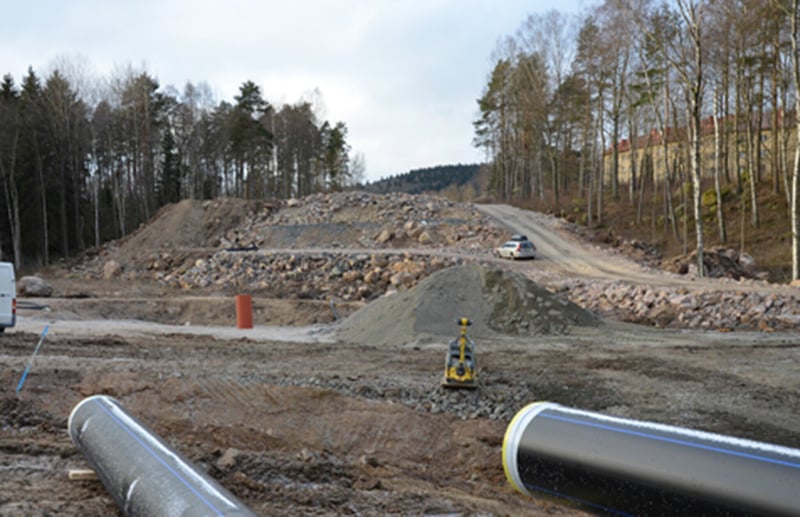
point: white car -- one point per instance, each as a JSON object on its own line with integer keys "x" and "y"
{"x": 521, "y": 249}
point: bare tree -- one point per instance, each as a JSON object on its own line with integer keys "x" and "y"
{"x": 616, "y": 40}
{"x": 358, "y": 169}
{"x": 723, "y": 237}
{"x": 590, "y": 65}
{"x": 683, "y": 48}
{"x": 794, "y": 16}
{"x": 551, "y": 37}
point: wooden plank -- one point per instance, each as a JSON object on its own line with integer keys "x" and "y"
{"x": 82, "y": 474}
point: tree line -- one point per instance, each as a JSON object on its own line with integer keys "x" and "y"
{"x": 565, "y": 91}
{"x": 80, "y": 167}
{"x": 440, "y": 178}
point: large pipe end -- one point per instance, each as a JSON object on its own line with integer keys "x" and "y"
{"x": 141, "y": 472}
{"x": 74, "y": 433}
{"x": 619, "y": 465}
{"x": 512, "y": 439}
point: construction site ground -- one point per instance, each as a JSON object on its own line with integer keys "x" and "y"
{"x": 325, "y": 409}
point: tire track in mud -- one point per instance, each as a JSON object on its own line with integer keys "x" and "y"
{"x": 245, "y": 395}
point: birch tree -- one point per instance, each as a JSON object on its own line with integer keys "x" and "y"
{"x": 794, "y": 17}
{"x": 684, "y": 52}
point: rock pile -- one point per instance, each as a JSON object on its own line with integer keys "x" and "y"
{"x": 681, "y": 308}
{"x": 718, "y": 262}
{"x": 322, "y": 275}
{"x": 187, "y": 231}
{"x": 361, "y": 219}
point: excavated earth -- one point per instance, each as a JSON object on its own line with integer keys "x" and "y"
{"x": 331, "y": 404}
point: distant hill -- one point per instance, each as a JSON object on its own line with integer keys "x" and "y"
{"x": 431, "y": 179}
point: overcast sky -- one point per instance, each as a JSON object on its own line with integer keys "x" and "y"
{"x": 402, "y": 74}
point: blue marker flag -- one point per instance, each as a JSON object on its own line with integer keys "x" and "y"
{"x": 36, "y": 351}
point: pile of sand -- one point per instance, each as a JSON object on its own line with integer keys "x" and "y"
{"x": 496, "y": 302}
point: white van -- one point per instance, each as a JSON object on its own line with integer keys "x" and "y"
{"x": 8, "y": 296}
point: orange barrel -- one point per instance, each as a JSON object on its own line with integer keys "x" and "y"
{"x": 244, "y": 311}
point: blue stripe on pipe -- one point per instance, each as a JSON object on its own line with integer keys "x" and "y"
{"x": 673, "y": 440}
{"x": 160, "y": 460}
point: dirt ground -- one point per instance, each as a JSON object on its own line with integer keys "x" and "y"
{"x": 332, "y": 428}
{"x": 295, "y": 420}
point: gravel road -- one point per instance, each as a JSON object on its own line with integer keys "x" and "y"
{"x": 564, "y": 254}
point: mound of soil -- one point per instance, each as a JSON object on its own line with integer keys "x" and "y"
{"x": 496, "y": 301}
{"x": 191, "y": 224}
{"x": 187, "y": 224}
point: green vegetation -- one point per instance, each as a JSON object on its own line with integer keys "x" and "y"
{"x": 430, "y": 179}
{"x": 79, "y": 170}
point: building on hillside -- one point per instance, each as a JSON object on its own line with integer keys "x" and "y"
{"x": 775, "y": 150}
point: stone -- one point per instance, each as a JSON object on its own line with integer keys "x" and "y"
{"x": 384, "y": 236}
{"x": 228, "y": 459}
{"x": 351, "y": 276}
{"x": 111, "y": 269}
{"x": 372, "y": 276}
{"x": 401, "y": 279}
{"x": 34, "y": 286}
{"x": 662, "y": 315}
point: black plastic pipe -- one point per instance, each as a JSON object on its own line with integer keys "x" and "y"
{"x": 141, "y": 472}
{"x": 628, "y": 467}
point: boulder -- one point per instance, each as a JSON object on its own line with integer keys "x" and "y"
{"x": 34, "y": 286}
{"x": 111, "y": 269}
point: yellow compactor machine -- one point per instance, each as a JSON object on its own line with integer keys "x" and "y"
{"x": 460, "y": 368}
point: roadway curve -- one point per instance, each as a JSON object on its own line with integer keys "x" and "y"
{"x": 563, "y": 253}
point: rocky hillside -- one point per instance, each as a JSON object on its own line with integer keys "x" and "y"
{"x": 296, "y": 249}
{"x": 357, "y": 247}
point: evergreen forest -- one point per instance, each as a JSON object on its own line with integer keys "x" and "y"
{"x": 79, "y": 167}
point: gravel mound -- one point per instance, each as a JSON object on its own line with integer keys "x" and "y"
{"x": 496, "y": 302}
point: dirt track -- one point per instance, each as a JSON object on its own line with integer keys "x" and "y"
{"x": 313, "y": 427}
{"x": 562, "y": 253}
